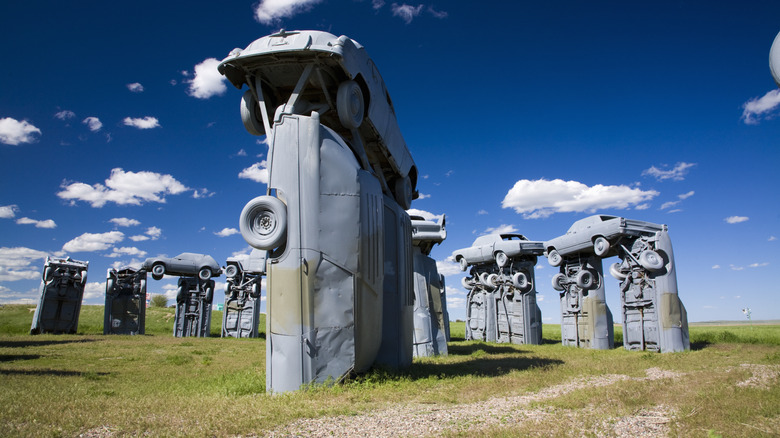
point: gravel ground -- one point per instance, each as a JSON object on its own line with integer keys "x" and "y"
{"x": 422, "y": 420}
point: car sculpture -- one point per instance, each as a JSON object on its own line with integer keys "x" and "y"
{"x": 242, "y": 295}
{"x": 62, "y": 290}
{"x": 431, "y": 320}
{"x": 495, "y": 247}
{"x": 186, "y": 264}
{"x": 125, "y": 308}
{"x": 774, "y": 59}
{"x": 333, "y": 219}
{"x": 598, "y": 234}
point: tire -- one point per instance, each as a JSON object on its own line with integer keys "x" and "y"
{"x": 402, "y": 192}
{"x": 520, "y": 281}
{"x": 467, "y": 283}
{"x": 249, "y": 115}
{"x": 483, "y": 278}
{"x": 463, "y": 264}
{"x": 47, "y": 274}
{"x": 558, "y": 281}
{"x": 651, "y": 260}
{"x": 501, "y": 259}
{"x": 350, "y": 104}
{"x": 263, "y": 222}
{"x": 492, "y": 281}
{"x": 601, "y": 246}
{"x": 614, "y": 270}
{"x": 205, "y": 274}
{"x": 83, "y": 279}
{"x": 255, "y": 293}
{"x": 231, "y": 271}
{"x": 209, "y": 294}
{"x": 142, "y": 286}
{"x": 585, "y": 279}
{"x": 110, "y": 283}
{"x": 158, "y": 270}
{"x": 181, "y": 295}
{"x": 554, "y": 258}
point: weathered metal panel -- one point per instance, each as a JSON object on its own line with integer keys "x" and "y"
{"x": 62, "y": 290}
{"x": 125, "y": 308}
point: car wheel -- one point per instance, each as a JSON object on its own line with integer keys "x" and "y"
{"x": 402, "y": 192}
{"x": 158, "y": 270}
{"x": 47, "y": 274}
{"x": 463, "y": 264}
{"x": 614, "y": 269}
{"x": 110, "y": 283}
{"x": 501, "y": 259}
{"x": 520, "y": 281}
{"x": 255, "y": 293}
{"x": 204, "y": 273}
{"x": 249, "y": 106}
{"x": 492, "y": 280}
{"x": 231, "y": 271}
{"x": 142, "y": 286}
{"x": 650, "y": 260}
{"x": 209, "y": 294}
{"x": 601, "y": 246}
{"x": 467, "y": 283}
{"x": 483, "y": 278}
{"x": 558, "y": 281}
{"x": 181, "y": 295}
{"x": 349, "y": 104}
{"x": 263, "y": 222}
{"x": 554, "y": 258}
{"x": 584, "y": 279}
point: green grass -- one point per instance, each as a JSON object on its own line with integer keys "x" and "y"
{"x": 68, "y": 385}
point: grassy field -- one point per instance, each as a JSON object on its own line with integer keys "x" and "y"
{"x": 94, "y": 385}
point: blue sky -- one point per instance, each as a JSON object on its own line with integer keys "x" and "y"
{"x": 119, "y": 141}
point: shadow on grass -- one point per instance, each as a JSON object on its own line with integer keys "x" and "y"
{"x": 480, "y": 367}
{"x": 699, "y": 345}
{"x": 57, "y": 373}
{"x": 469, "y": 349}
{"x": 41, "y": 343}
{"x": 14, "y": 357}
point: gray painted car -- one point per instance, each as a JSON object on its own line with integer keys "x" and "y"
{"x": 186, "y": 264}
{"x": 597, "y": 234}
{"x": 297, "y": 72}
{"x": 499, "y": 248}
{"x": 62, "y": 290}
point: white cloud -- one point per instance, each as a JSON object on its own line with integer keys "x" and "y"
{"x": 759, "y": 265}
{"x": 124, "y": 188}
{"x": 736, "y": 219}
{"x": 448, "y": 267}
{"x": 226, "y": 232}
{"x": 677, "y": 173}
{"x": 437, "y": 14}
{"x": 124, "y": 222}
{"x": 208, "y": 81}
{"x": 456, "y": 298}
{"x": 257, "y": 172}
{"x": 666, "y": 205}
{"x": 127, "y": 251}
{"x": 95, "y": 289}
{"x": 17, "y": 263}
{"x": 736, "y": 268}
{"x": 482, "y": 212}
{"x": 14, "y": 132}
{"x": 139, "y": 238}
{"x": 88, "y": 242}
{"x": 406, "y": 12}
{"x": 541, "y": 198}
{"x": 271, "y": 11}
{"x": 48, "y": 223}
{"x": 147, "y": 122}
{"x": 203, "y": 193}
{"x": 135, "y": 87}
{"x": 377, "y": 4}
{"x": 93, "y": 123}
{"x": 686, "y": 195}
{"x": 241, "y": 153}
{"x": 715, "y": 266}
{"x": 154, "y": 232}
{"x": 758, "y": 107}
{"x": 8, "y": 211}
{"x": 501, "y": 229}
{"x": 422, "y": 196}
{"x": 424, "y": 214}
{"x": 771, "y": 239}
{"x": 642, "y": 207}
{"x": 65, "y": 115}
